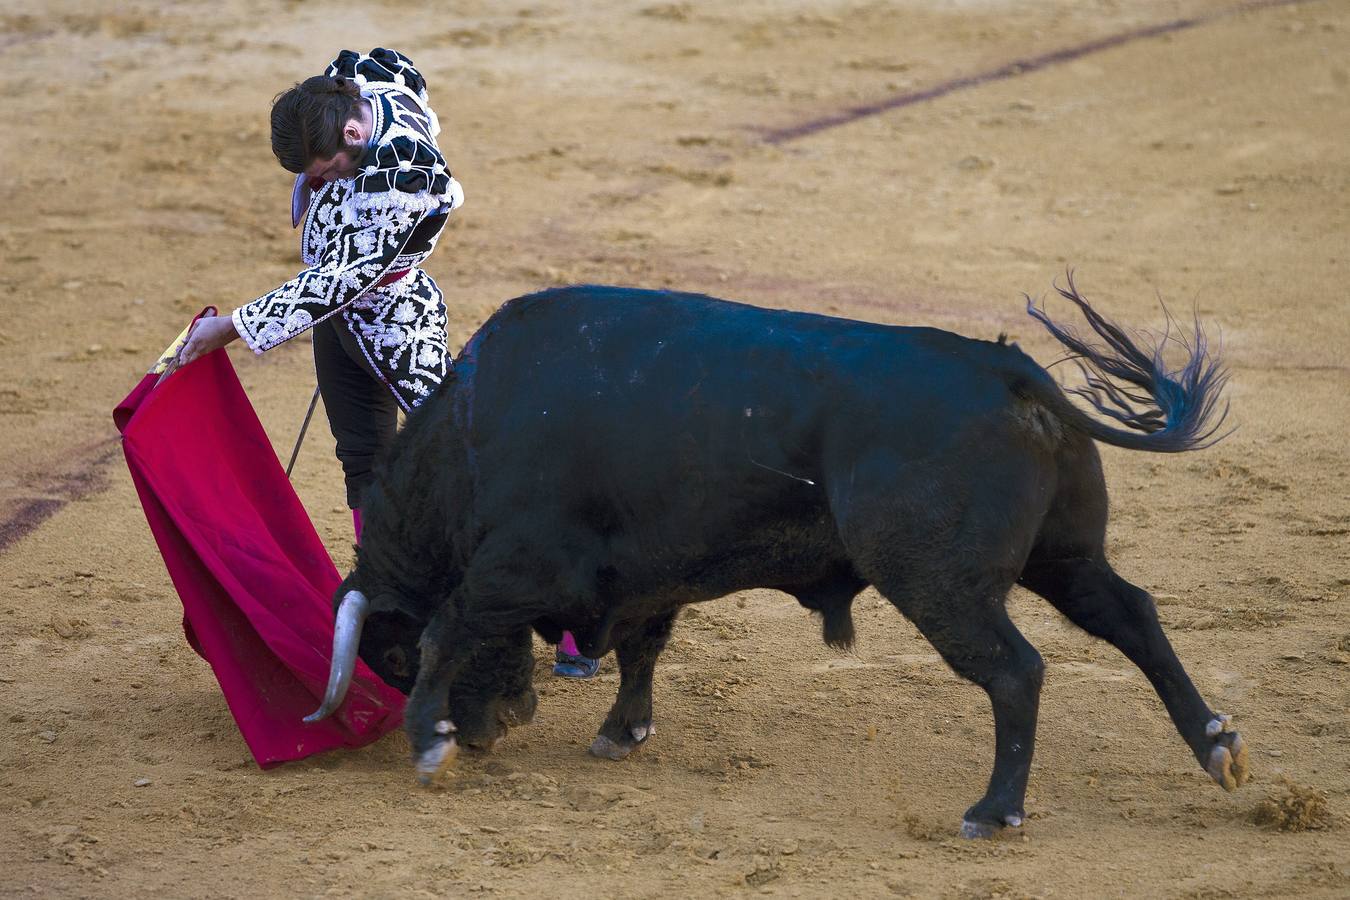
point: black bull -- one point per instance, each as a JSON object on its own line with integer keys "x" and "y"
{"x": 603, "y": 456}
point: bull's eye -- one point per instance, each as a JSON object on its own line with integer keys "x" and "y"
{"x": 397, "y": 661}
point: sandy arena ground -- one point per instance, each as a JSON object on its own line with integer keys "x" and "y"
{"x": 629, "y": 142}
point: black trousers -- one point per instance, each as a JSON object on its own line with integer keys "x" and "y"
{"x": 362, "y": 411}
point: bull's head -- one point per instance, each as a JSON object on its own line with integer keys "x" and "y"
{"x": 492, "y": 693}
{"x": 385, "y": 640}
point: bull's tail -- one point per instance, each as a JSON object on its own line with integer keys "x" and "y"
{"x": 1163, "y": 410}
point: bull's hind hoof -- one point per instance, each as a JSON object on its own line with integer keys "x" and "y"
{"x": 606, "y": 747}
{"x": 985, "y": 830}
{"x": 1227, "y": 763}
{"x": 432, "y": 761}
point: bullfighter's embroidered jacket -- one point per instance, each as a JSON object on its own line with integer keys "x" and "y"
{"x": 364, "y": 239}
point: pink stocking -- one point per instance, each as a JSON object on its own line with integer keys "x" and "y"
{"x": 568, "y": 644}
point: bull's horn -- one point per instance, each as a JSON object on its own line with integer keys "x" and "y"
{"x": 351, "y": 616}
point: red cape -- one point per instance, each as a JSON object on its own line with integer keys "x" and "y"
{"x": 255, "y": 580}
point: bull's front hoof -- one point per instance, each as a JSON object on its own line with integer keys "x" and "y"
{"x": 606, "y": 747}
{"x": 516, "y": 711}
{"x": 432, "y": 761}
{"x": 973, "y": 830}
{"x": 1227, "y": 762}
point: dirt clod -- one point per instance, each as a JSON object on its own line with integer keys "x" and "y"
{"x": 1297, "y": 808}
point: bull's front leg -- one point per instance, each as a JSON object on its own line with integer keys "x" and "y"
{"x": 494, "y": 691}
{"x": 629, "y": 722}
{"x": 445, "y": 648}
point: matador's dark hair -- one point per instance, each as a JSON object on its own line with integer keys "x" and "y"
{"x": 307, "y": 120}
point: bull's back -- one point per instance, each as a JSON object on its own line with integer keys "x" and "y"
{"x": 632, "y": 372}
{"x": 696, "y": 438}
{"x": 621, "y": 357}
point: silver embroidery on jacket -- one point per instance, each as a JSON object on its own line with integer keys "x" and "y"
{"x": 355, "y": 232}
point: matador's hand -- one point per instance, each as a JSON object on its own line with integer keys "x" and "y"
{"x": 211, "y": 333}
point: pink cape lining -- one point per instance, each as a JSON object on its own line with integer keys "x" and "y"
{"x": 255, "y": 580}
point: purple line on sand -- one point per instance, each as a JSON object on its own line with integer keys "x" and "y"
{"x": 86, "y": 477}
{"x": 1009, "y": 70}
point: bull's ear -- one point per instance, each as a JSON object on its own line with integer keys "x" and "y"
{"x": 389, "y": 603}
{"x": 393, "y": 624}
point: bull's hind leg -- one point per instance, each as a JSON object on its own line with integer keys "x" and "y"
{"x": 976, "y": 638}
{"x": 629, "y": 722}
{"x": 1107, "y": 606}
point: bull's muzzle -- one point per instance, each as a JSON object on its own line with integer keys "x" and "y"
{"x": 351, "y": 616}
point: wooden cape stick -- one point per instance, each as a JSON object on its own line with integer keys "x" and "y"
{"x": 167, "y": 364}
